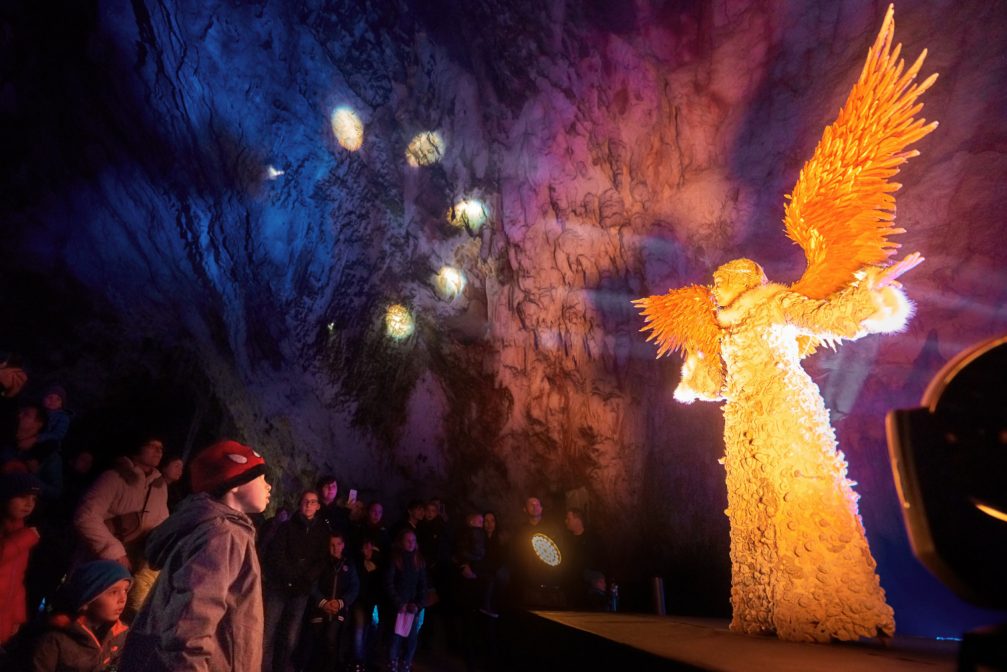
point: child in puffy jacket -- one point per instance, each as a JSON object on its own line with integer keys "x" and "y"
{"x": 87, "y": 635}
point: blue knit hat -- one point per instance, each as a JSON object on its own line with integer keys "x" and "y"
{"x": 91, "y": 580}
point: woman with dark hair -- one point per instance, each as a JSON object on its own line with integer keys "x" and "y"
{"x": 365, "y": 609}
{"x": 405, "y": 592}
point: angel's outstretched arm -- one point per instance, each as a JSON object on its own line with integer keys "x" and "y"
{"x": 872, "y": 305}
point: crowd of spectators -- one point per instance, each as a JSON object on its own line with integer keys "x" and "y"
{"x": 85, "y": 555}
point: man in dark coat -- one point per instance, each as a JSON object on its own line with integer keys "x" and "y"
{"x": 292, "y": 563}
{"x": 583, "y": 564}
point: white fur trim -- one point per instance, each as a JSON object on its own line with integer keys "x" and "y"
{"x": 893, "y": 313}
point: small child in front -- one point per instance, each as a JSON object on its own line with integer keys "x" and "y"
{"x": 87, "y": 636}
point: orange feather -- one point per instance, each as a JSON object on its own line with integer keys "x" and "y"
{"x": 682, "y": 320}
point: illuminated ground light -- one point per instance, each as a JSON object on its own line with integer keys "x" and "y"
{"x": 991, "y": 511}
{"x": 449, "y": 282}
{"x": 470, "y": 213}
{"x": 347, "y": 128}
{"x": 425, "y": 149}
{"x": 399, "y": 322}
{"x": 546, "y": 549}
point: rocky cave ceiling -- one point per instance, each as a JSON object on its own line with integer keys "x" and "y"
{"x": 175, "y": 162}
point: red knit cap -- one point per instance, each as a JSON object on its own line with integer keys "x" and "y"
{"x": 224, "y": 465}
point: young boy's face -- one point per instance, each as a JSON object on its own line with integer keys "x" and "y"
{"x": 52, "y": 402}
{"x": 253, "y": 497}
{"x": 336, "y": 547}
{"x": 173, "y": 471}
{"x": 107, "y": 607}
{"x": 19, "y": 508}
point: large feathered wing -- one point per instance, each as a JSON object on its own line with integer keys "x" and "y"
{"x": 842, "y": 208}
{"x": 684, "y": 320}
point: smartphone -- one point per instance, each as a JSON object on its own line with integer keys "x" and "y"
{"x": 352, "y": 498}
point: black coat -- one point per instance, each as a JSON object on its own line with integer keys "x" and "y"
{"x": 338, "y": 581}
{"x": 295, "y": 557}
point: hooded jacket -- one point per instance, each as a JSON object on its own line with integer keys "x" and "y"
{"x": 71, "y": 646}
{"x": 205, "y": 611}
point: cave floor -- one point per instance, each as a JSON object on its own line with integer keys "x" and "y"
{"x": 707, "y": 644}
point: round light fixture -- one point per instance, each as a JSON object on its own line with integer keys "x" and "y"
{"x": 425, "y": 149}
{"x": 347, "y": 128}
{"x": 450, "y": 282}
{"x": 471, "y": 213}
{"x": 399, "y": 322}
{"x": 546, "y": 549}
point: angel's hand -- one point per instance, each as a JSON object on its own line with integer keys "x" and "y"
{"x": 890, "y": 274}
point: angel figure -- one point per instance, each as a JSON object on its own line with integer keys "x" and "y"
{"x": 800, "y": 564}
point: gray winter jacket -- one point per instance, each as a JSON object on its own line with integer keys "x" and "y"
{"x": 205, "y": 610}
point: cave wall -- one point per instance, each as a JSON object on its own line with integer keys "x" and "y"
{"x": 621, "y": 148}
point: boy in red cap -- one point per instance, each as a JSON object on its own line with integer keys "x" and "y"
{"x": 205, "y": 611}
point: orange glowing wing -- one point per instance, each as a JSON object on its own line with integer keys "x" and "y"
{"x": 683, "y": 319}
{"x": 842, "y": 208}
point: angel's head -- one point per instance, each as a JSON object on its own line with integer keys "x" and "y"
{"x": 734, "y": 279}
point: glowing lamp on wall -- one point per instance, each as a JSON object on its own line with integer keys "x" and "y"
{"x": 399, "y": 322}
{"x": 450, "y": 282}
{"x": 471, "y": 213}
{"x": 425, "y": 149}
{"x": 546, "y": 549}
{"x": 347, "y": 128}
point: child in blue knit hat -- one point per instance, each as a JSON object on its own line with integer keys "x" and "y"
{"x": 89, "y": 636}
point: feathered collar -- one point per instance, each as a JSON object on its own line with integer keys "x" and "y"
{"x": 739, "y": 309}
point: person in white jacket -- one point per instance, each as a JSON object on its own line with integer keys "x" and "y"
{"x": 117, "y": 513}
